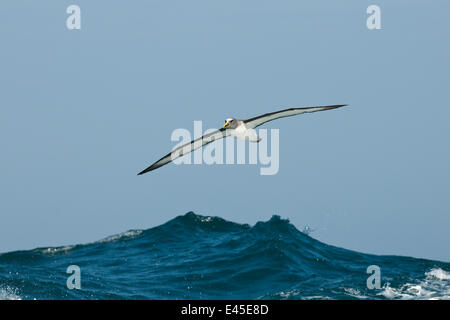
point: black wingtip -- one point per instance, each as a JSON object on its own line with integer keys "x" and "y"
{"x": 333, "y": 106}
{"x": 145, "y": 171}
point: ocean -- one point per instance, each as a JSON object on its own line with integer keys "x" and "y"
{"x": 203, "y": 257}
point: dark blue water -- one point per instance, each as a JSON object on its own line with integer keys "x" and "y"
{"x": 198, "y": 257}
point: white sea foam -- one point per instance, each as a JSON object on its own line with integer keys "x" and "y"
{"x": 294, "y": 294}
{"x": 355, "y": 293}
{"x": 317, "y": 298}
{"x": 435, "y": 286}
{"x": 438, "y": 274}
{"x": 8, "y": 293}
{"x": 66, "y": 249}
{"x": 288, "y": 294}
{"x": 54, "y": 250}
{"x": 124, "y": 235}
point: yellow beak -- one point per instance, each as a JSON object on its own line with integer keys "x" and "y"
{"x": 226, "y": 125}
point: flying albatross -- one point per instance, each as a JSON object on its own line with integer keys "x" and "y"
{"x": 241, "y": 129}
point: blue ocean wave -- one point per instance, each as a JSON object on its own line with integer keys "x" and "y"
{"x": 202, "y": 257}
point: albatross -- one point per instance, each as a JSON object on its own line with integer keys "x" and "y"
{"x": 241, "y": 129}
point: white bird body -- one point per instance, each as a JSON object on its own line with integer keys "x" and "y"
{"x": 241, "y": 132}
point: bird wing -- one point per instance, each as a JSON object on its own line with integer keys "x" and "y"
{"x": 187, "y": 148}
{"x": 257, "y": 121}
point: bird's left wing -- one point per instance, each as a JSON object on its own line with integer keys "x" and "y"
{"x": 257, "y": 121}
{"x": 187, "y": 148}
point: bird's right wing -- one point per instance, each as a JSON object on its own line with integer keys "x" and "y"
{"x": 187, "y": 148}
{"x": 257, "y": 121}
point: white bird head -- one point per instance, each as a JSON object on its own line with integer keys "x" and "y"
{"x": 230, "y": 123}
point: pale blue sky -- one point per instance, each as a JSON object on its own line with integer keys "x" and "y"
{"x": 81, "y": 112}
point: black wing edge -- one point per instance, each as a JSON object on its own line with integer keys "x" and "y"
{"x": 156, "y": 165}
{"x": 271, "y": 113}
